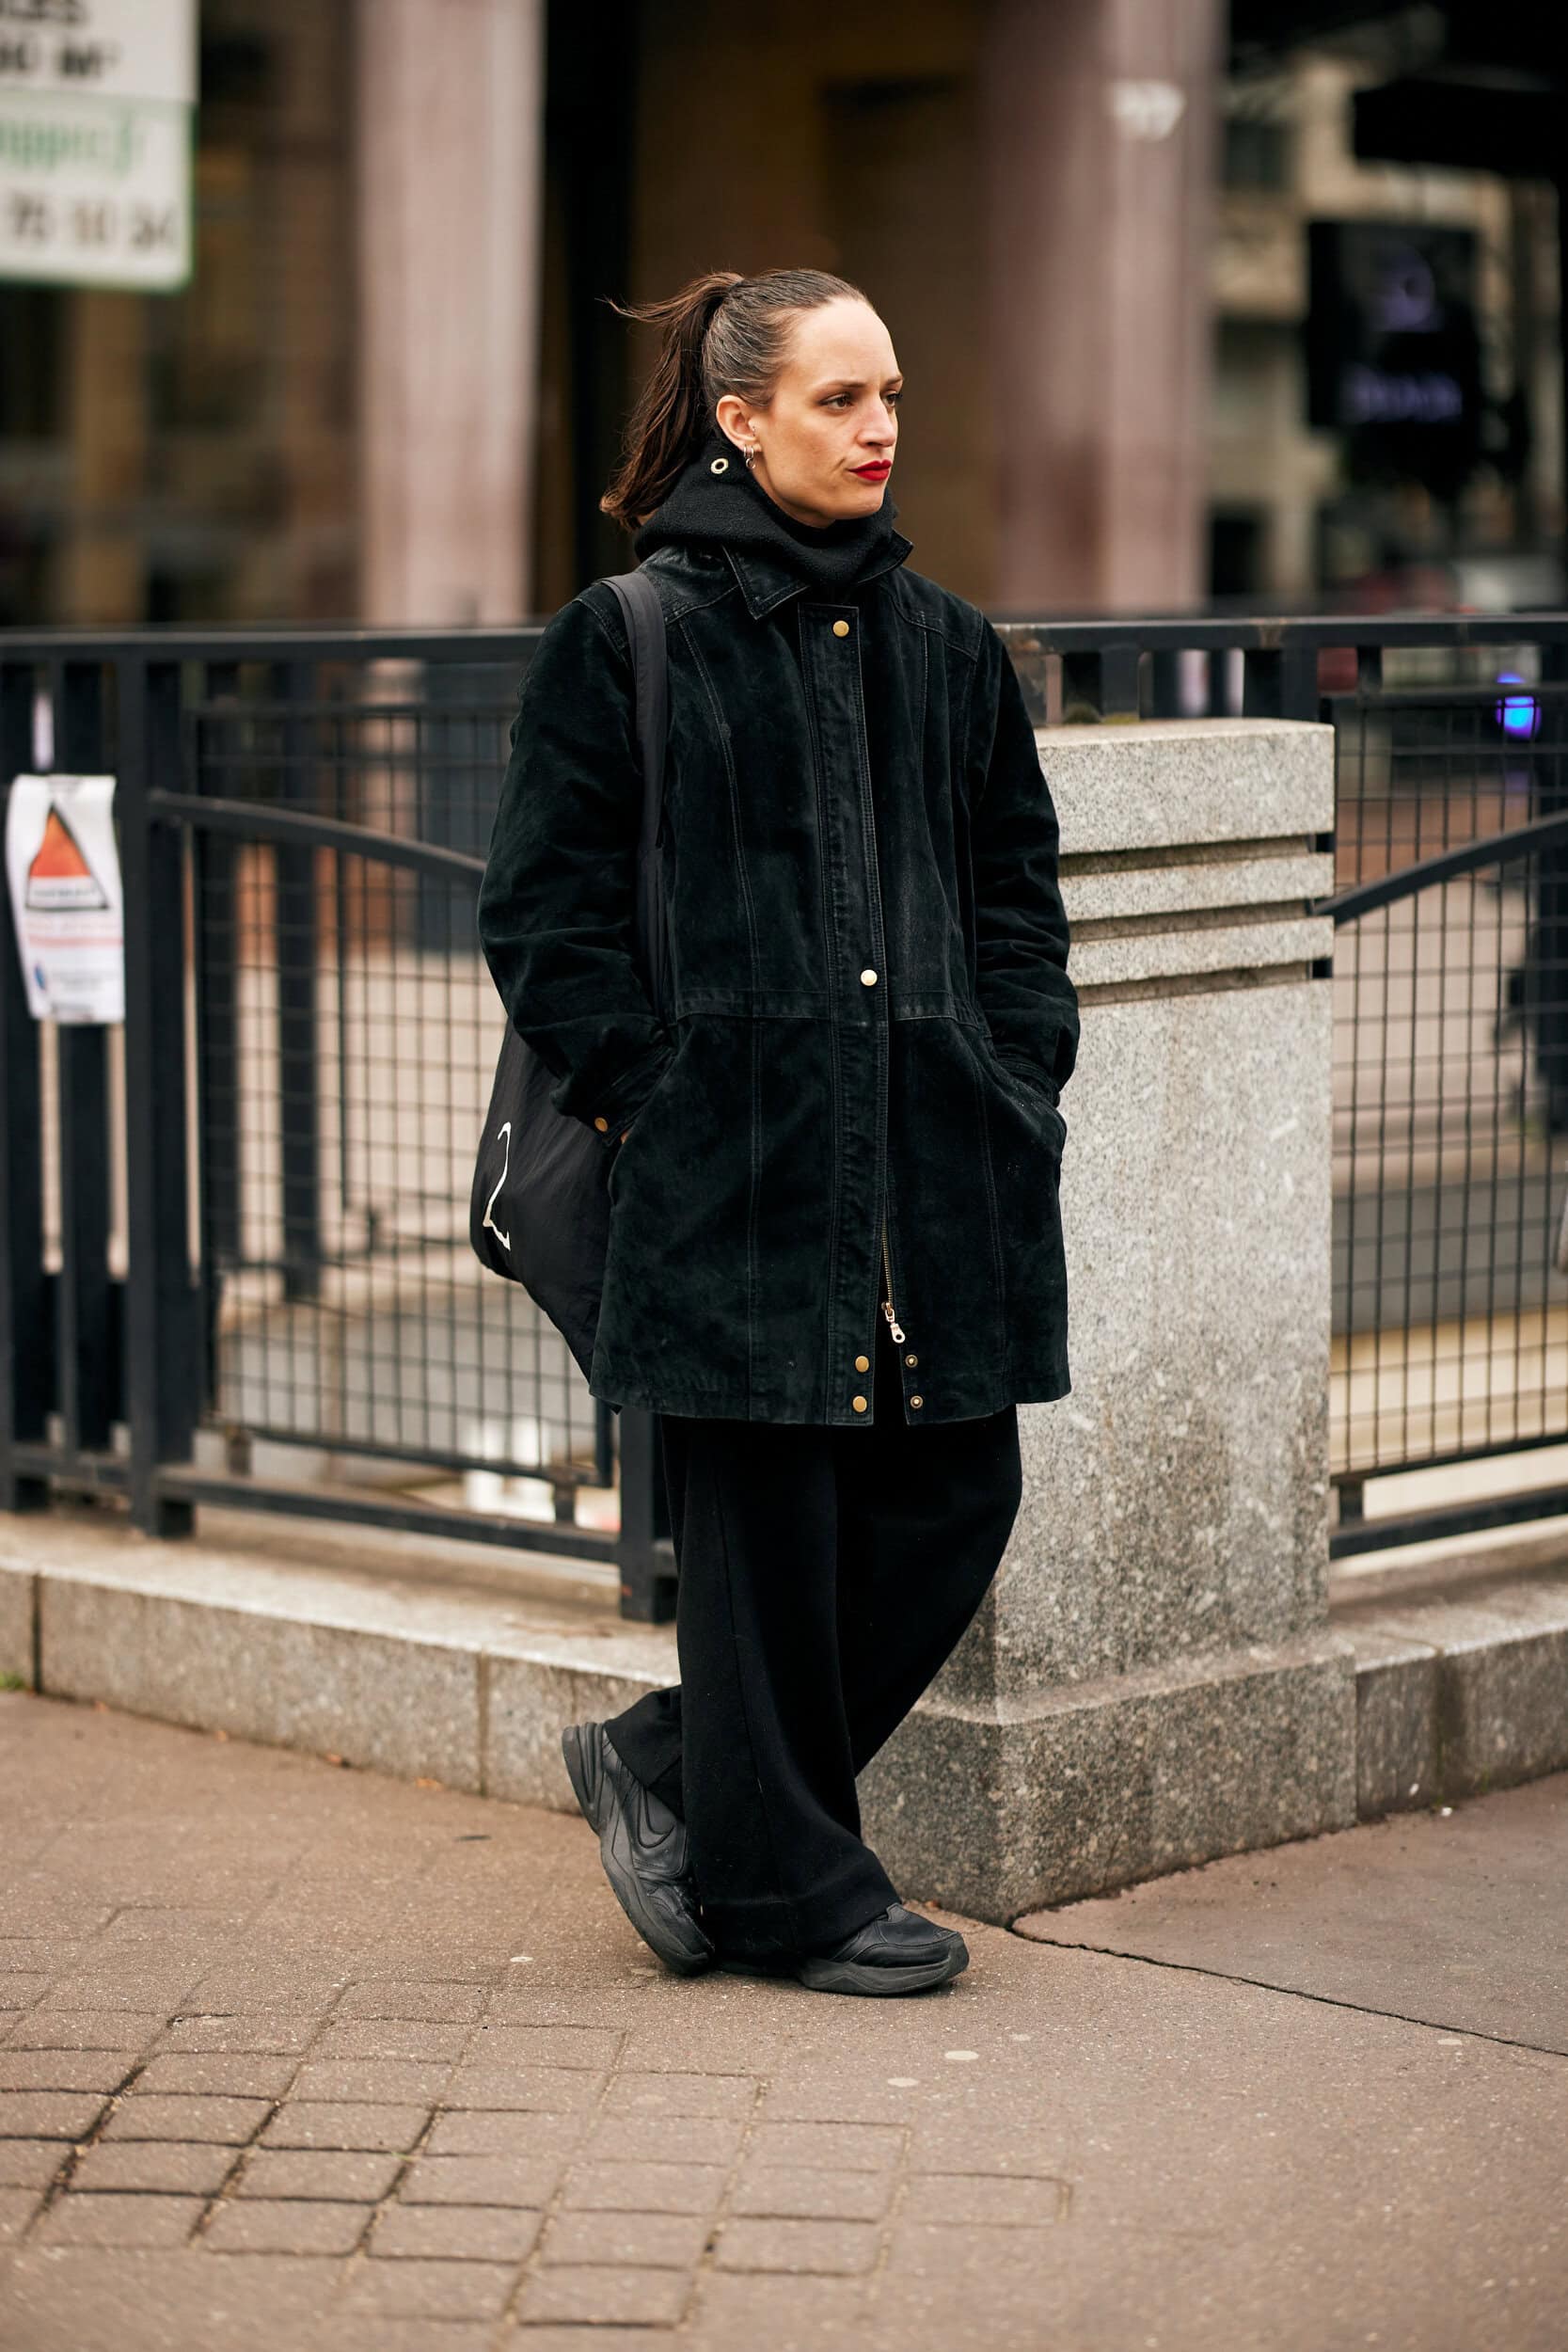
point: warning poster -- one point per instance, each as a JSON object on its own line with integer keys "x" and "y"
{"x": 63, "y": 871}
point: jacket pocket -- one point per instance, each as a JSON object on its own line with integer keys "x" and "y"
{"x": 1021, "y": 1088}
{"x": 635, "y": 1124}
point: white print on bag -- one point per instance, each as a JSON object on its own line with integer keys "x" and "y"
{"x": 504, "y": 1133}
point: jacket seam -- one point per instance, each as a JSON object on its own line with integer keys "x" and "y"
{"x": 620, "y": 646}
{"x": 934, "y": 623}
{"x": 731, "y": 781}
{"x": 966, "y": 729}
{"x": 674, "y": 612}
{"x": 994, "y": 1214}
{"x": 830, "y": 936}
{"x": 704, "y": 604}
{"x": 934, "y": 629}
{"x": 752, "y": 967}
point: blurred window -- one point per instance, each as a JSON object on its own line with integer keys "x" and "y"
{"x": 1257, "y": 153}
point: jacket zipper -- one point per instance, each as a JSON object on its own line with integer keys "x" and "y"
{"x": 868, "y": 820}
{"x": 893, "y": 1325}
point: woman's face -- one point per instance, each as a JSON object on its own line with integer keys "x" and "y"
{"x": 833, "y": 412}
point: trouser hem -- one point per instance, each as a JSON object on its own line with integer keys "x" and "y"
{"x": 767, "y": 1927}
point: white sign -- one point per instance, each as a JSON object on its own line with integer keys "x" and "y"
{"x": 115, "y": 48}
{"x": 97, "y": 101}
{"x": 63, "y": 871}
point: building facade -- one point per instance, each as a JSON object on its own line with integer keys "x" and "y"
{"x": 393, "y": 388}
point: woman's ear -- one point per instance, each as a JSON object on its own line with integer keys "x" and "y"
{"x": 733, "y": 420}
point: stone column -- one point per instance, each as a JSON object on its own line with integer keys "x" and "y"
{"x": 1151, "y": 1681}
{"x": 449, "y": 199}
{"x": 1097, "y": 134}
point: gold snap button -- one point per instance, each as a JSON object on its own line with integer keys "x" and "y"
{"x": 862, "y": 1363}
{"x": 911, "y": 1359}
{"x": 720, "y": 465}
{"x": 603, "y": 1125}
{"x": 859, "y": 1404}
{"x": 868, "y": 977}
{"x": 841, "y": 628}
{"x": 917, "y": 1400}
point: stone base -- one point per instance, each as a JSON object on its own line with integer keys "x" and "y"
{"x": 1429, "y": 1685}
{"x": 18, "y": 1601}
{"x": 994, "y": 1812}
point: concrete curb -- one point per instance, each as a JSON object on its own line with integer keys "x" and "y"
{"x": 465, "y": 1686}
{"x": 1460, "y": 1680}
{"x": 1460, "y": 1675}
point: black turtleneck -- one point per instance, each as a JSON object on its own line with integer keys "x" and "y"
{"x": 731, "y": 508}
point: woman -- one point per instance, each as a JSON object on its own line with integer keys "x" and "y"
{"x": 835, "y": 1259}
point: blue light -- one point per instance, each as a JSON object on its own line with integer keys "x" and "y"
{"x": 1518, "y": 715}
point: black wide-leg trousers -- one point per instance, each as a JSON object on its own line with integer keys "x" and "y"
{"x": 825, "y": 1575}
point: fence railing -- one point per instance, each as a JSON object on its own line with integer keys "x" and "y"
{"x": 233, "y": 1260}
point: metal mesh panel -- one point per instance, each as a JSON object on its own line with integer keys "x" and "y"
{"x": 347, "y": 1036}
{"x": 1450, "y": 1140}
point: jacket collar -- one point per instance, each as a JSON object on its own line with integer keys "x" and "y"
{"x": 766, "y": 581}
{"x": 772, "y": 555}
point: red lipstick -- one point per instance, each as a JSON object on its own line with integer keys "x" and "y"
{"x": 877, "y": 470}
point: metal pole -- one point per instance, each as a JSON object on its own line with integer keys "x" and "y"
{"x": 162, "y": 1334}
{"x": 89, "y": 1373}
{"x": 26, "y": 1359}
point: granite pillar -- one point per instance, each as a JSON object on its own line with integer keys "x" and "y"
{"x": 450, "y": 206}
{"x": 1096, "y": 139}
{"x": 1151, "y": 1681}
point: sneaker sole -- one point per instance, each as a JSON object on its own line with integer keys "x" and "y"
{"x": 684, "y": 1958}
{"x": 838, "y": 1976}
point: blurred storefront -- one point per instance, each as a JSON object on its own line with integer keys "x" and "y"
{"x": 1387, "y": 423}
{"x": 188, "y": 456}
{"x": 392, "y": 387}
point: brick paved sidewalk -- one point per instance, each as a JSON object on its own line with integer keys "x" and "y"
{"x": 299, "y": 2059}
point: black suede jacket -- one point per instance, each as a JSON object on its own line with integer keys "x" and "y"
{"x": 855, "y": 1095}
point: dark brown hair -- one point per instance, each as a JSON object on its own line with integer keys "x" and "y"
{"x": 722, "y": 333}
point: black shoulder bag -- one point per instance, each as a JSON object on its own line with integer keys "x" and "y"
{"x": 539, "y": 1213}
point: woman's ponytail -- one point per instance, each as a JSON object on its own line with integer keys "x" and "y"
{"x": 722, "y": 333}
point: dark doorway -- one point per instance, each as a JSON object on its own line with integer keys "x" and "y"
{"x": 1236, "y": 552}
{"x": 590, "y": 81}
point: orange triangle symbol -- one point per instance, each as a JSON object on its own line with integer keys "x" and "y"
{"x": 59, "y": 875}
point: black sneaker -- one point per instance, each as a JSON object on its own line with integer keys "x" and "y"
{"x": 643, "y": 1847}
{"x": 896, "y": 1952}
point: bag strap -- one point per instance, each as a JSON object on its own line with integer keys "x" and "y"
{"x": 649, "y": 663}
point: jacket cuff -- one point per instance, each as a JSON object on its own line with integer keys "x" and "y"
{"x": 615, "y": 1109}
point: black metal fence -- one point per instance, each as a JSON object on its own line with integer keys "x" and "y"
{"x": 233, "y": 1259}
{"x": 1450, "y": 1360}
{"x": 270, "y": 1300}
